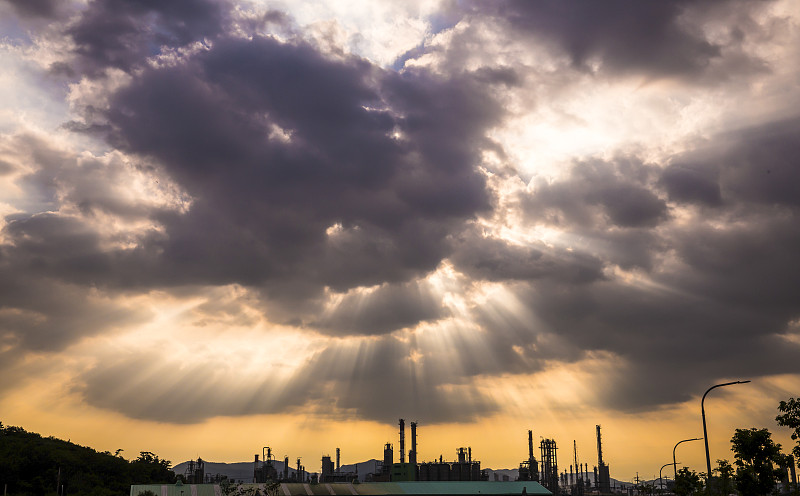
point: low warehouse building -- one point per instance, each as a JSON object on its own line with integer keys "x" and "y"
{"x": 346, "y": 489}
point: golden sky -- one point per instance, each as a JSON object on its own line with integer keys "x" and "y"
{"x": 234, "y": 224}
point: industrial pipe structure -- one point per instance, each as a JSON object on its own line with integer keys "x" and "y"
{"x": 675, "y": 465}
{"x": 402, "y": 441}
{"x": 705, "y": 432}
{"x": 530, "y": 450}
{"x": 412, "y": 455}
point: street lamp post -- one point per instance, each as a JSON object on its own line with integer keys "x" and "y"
{"x": 705, "y": 432}
{"x": 675, "y": 465}
{"x": 660, "y": 480}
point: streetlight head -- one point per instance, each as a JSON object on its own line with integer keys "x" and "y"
{"x": 742, "y": 382}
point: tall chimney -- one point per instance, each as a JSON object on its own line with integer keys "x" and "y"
{"x": 530, "y": 446}
{"x": 575, "y": 455}
{"x": 412, "y": 455}
{"x": 402, "y": 441}
{"x": 337, "y": 459}
{"x": 388, "y": 456}
{"x": 599, "y": 448}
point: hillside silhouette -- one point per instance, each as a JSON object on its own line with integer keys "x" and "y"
{"x": 34, "y": 465}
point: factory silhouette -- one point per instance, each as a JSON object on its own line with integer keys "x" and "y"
{"x": 408, "y": 475}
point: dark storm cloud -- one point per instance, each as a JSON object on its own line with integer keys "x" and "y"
{"x": 620, "y": 190}
{"x": 292, "y": 164}
{"x": 686, "y": 184}
{"x": 709, "y": 297}
{"x": 386, "y": 309}
{"x": 123, "y": 33}
{"x": 668, "y": 336}
{"x": 755, "y": 165}
{"x": 624, "y": 35}
{"x": 304, "y": 173}
{"x": 34, "y": 8}
{"x": 44, "y": 314}
{"x": 760, "y": 164}
{"x": 310, "y": 175}
{"x": 495, "y": 260}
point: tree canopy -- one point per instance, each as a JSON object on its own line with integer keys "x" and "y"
{"x": 687, "y": 482}
{"x": 724, "y": 477}
{"x": 757, "y": 459}
{"x": 791, "y": 419}
{"x": 33, "y": 465}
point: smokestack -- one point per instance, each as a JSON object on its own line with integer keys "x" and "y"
{"x": 469, "y": 457}
{"x": 388, "y": 456}
{"x": 575, "y": 454}
{"x": 412, "y": 455}
{"x": 286, "y": 467}
{"x": 599, "y": 448}
{"x": 530, "y": 446}
{"x": 402, "y": 441}
{"x": 337, "y": 459}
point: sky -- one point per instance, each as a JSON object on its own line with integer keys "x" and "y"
{"x": 233, "y": 224}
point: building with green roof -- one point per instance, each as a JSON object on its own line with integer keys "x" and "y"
{"x": 438, "y": 488}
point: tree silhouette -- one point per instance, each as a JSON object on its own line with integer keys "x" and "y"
{"x": 757, "y": 455}
{"x": 687, "y": 482}
{"x": 32, "y": 465}
{"x": 791, "y": 419}
{"x": 725, "y": 477}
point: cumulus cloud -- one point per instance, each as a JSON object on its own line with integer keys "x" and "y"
{"x": 34, "y": 8}
{"x": 333, "y": 170}
{"x": 339, "y": 194}
{"x": 122, "y": 34}
{"x": 716, "y": 291}
{"x": 665, "y": 39}
{"x": 491, "y": 259}
{"x": 384, "y": 309}
{"x": 618, "y": 193}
